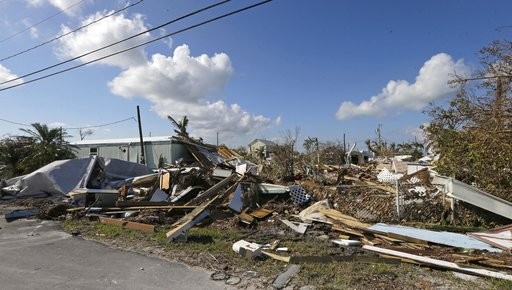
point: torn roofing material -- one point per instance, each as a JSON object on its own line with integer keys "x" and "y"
{"x": 500, "y": 237}
{"x": 61, "y": 177}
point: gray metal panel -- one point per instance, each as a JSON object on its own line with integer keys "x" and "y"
{"x": 444, "y": 238}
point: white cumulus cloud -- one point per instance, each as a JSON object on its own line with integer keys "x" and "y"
{"x": 430, "y": 85}
{"x": 68, "y": 7}
{"x": 34, "y": 32}
{"x": 6, "y": 75}
{"x": 182, "y": 84}
{"x": 105, "y": 32}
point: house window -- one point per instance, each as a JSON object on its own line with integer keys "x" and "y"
{"x": 93, "y": 151}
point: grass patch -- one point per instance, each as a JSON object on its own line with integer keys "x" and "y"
{"x": 211, "y": 247}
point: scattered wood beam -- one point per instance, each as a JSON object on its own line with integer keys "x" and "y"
{"x": 440, "y": 263}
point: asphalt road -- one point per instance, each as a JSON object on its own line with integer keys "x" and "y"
{"x": 37, "y": 254}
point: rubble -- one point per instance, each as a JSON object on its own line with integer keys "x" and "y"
{"x": 213, "y": 183}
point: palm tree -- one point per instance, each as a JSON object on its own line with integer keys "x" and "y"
{"x": 45, "y": 146}
{"x": 181, "y": 125}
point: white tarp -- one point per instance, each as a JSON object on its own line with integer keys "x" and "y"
{"x": 61, "y": 177}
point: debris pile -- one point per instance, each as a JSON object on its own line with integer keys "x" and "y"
{"x": 361, "y": 209}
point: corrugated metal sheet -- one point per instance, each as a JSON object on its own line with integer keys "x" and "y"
{"x": 444, "y": 238}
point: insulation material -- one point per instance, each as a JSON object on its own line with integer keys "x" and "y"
{"x": 386, "y": 176}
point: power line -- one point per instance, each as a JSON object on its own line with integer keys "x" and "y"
{"x": 137, "y": 46}
{"x": 112, "y": 44}
{"x": 75, "y": 128}
{"x": 15, "y": 123}
{"x": 102, "y": 125}
{"x": 41, "y": 21}
{"x": 70, "y": 32}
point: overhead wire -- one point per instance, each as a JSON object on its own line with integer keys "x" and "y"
{"x": 114, "y": 43}
{"x": 72, "y": 31}
{"x": 12, "y": 122}
{"x": 136, "y": 46}
{"x": 102, "y": 125}
{"x": 74, "y": 128}
{"x": 41, "y": 21}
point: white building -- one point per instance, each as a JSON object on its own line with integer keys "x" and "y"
{"x": 128, "y": 149}
{"x": 261, "y": 146}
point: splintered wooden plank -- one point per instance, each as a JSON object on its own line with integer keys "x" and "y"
{"x": 440, "y": 263}
{"x": 344, "y": 219}
{"x": 261, "y": 213}
{"x": 165, "y": 181}
{"x": 244, "y": 217}
{"x": 371, "y": 242}
{"x": 389, "y": 239}
{"x": 276, "y": 257}
{"x": 128, "y": 225}
{"x": 189, "y": 220}
{"x": 348, "y": 231}
{"x": 351, "y": 258}
{"x": 155, "y": 207}
{"x": 212, "y": 191}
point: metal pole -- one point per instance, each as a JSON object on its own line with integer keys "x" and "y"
{"x": 344, "y": 146}
{"x": 142, "y": 159}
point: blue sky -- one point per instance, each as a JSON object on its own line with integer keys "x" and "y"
{"x": 325, "y": 67}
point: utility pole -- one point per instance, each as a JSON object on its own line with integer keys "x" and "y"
{"x": 142, "y": 158}
{"x": 379, "y": 138}
{"x": 344, "y": 149}
{"x": 344, "y": 144}
{"x": 317, "y": 151}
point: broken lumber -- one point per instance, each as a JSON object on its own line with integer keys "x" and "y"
{"x": 201, "y": 211}
{"x": 276, "y": 257}
{"x": 344, "y": 219}
{"x": 189, "y": 220}
{"x": 169, "y": 207}
{"x": 440, "y": 263}
{"x": 212, "y": 190}
{"x": 383, "y": 187}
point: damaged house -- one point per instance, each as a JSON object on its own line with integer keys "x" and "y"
{"x": 261, "y": 147}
